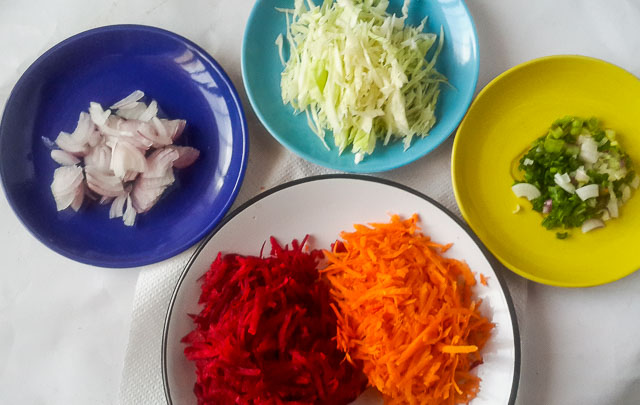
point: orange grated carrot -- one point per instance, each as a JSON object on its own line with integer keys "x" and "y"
{"x": 484, "y": 280}
{"x": 406, "y": 313}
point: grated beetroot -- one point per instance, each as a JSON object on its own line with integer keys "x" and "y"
{"x": 266, "y": 333}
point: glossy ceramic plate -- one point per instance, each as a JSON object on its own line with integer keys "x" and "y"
{"x": 510, "y": 113}
{"x": 104, "y": 65}
{"x": 261, "y": 69}
{"x": 322, "y": 207}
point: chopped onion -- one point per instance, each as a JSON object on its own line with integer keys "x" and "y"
{"x": 130, "y": 99}
{"x": 605, "y": 215}
{"x": 591, "y": 224}
{"x": 588, "y": 191}
{"x": 626, "y": 193}
{"x": 612, "y": 206}
{"x": 635, "y": 183}
{"x": 529, "y": 191}
{"x": 103, "y": 183}
{"x": 548, "y": 205}
{"x": 150, "y": 112}
{"x": 527, "y": 162}
{"x": 564, "y": 181}
{"x": 126, "y": 158}
{"x": 589, "y": 150}
{"x": 117, "y": 206}
{"x": 98, "y": 115}
{"x": 581, "y": 175}
{"x": 64, "y": 158}
{"x": 186, "y": 156}
{"x": 133, "y": 111}
{"x": 129, "y": 216}
{"x": 119, "y": 167}
{"x": 66, "y": 181}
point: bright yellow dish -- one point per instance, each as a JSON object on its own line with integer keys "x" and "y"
{"x": 508, "y": 114}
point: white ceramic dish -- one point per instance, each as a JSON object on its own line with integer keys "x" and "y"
{"x": 322, "y": 207}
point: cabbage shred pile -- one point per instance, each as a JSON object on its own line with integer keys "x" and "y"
{"x": 360, "y": 72}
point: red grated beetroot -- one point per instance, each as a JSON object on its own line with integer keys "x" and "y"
{"x": 266, "y": 333}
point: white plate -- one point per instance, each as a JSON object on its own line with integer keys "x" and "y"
{"x": 322, "y": 207}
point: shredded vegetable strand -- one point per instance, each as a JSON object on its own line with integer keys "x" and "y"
{"x": 407, "y": 313}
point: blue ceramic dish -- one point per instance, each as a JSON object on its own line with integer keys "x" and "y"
{"x": 104, "y": 65}
{"x": 261, "y": 68}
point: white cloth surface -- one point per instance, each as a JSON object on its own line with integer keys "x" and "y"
{"x": 71, "y": 334}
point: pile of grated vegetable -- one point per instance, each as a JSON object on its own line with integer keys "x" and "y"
{"x": 407, "y": 314}
{"x": 360, "y": 72}
{"x": 266, "y": 333}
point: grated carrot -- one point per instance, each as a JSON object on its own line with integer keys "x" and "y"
{"x": 406, "y": 313}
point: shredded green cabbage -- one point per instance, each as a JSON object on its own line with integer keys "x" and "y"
{"x": 360, "y": 72}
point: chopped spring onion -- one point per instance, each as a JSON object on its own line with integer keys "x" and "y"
{"x": 581, "y": 171}
{"x": 360, "y": 72}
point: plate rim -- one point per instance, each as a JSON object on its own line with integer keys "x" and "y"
{"x": 502, "y": 282}
{"x": 456, "y": 182}
{"x": 359, "y": 169}
{"x": 237, "y": 104}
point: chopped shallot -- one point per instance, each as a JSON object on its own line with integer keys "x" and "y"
{"x": 123, "y": 156}
{"x": 64, "y": 158}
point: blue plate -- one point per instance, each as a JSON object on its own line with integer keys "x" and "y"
{"x": 104, "y": 65}
{"x": 261, "y": 68}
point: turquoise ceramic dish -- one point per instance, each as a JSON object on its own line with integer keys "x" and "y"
{"x": 261, "y": 68}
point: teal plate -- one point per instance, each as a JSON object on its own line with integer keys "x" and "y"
{"x": 261, "y": 69}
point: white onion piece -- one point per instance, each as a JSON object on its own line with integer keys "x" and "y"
{"x": 589, "y": 150}
{"x": 159, "y": 162}
{"x": 150, "y": 185}
{"x": 126, "y": 158}
{"x": 99, "y": 157}
{"x": 150, "y": 112}
{"x": 103, "y": 183}
{"x": 68, "y": 144}
{"x": 64, "y": 158}
{"x": 605, "y": 215}
{"x": 626, "y": 193}
{"x": 117, "y": 206}
{"x": 130, "y": 176}
{"x": 131, "y": 98}
{"x": 186, "y": 156}
{"x": 591, "y": 224}
{"x": 564, "y": 181}
{"x": 78, "y": 198}
{"x": 150, "y": 133}
{"x": 588, "y": 191}
{"x": 612, "y": 205}
{"x": 529, "y": 191}
{"x": 98, "y": 115}
{"x": 581, "y": 175}
{"x": 527, "y": 162}
{"x": 635, "y": 183}
{"x": 132, "y": 112}
{"x": 129, "y": 217}
{"x": 164, "y": 137}
{"x": 66, "y": 180}
{"x": 174, "y": 127}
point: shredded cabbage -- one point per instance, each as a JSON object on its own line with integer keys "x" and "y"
{"x": 360, "y": 72}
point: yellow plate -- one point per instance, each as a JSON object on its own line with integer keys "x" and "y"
{"x": 512, "y": 111}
